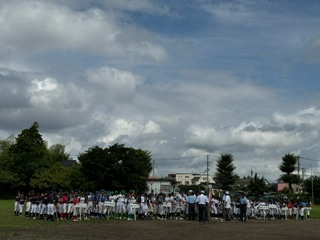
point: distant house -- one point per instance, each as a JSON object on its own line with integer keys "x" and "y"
{"x": 282, "y": 185}
{"x": 242, "y": 183}
{"x": 69, "y": 163}
{"x": 191, "y": 179}
{"x": 161, "y": 185}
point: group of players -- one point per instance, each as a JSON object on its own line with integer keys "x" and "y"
{"x": 121, "y": 205}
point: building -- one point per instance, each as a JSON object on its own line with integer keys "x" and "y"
{"x": 69, "y": 163}
{"x": 282, "y": 186}
{"x": 191, "y": 179}
{"x": 161, "y": 185}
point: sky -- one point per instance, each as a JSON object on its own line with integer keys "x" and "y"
{"x": 187, "y": 80}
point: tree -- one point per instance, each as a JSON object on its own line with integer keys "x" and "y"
{"x": 288, "y": 166}
{"x": 313, "y": 182}
{"x": 116, "y": 167}
{"x": 54, "y": 178}
{"x": 57, "y": 153}
{"x": 9, "y": 180}
{"x": 225, "y": 174}
{"x": 257, "y": 185}
{"x": 29, "y": 154}
{"x": 78, "y": 180}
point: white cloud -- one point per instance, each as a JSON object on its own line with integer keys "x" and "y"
{"x": 151, "y": 128}
{"x": 37, "y": 27}
{"x": 54, "y": 96}
{"x": 113, "y": 85}
{"x": 309, "y": 117}
{"x": 113, "y": 79}
{"x": 120, "y": 127}
{"x": 232, "y": 12}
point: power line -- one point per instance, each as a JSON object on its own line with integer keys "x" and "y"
{"x": 179, "y": 158}
{"x": 310, "y": 159}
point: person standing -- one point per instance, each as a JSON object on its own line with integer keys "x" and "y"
{"x": 227, "y": 206}
{"x": 202, "y": 202}
{"x": 243, "y": 207}
{"x": 191, "y": 200}
{"x": 28, "y": 204}
{"x": 21, "y": 203}
{"x": 16, "y": 204}
{"x": 50, "y": 207}
{"x": 214, "y": 207}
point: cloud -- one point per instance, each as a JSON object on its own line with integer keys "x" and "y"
{"x": 12, "y": 94}
{"x": 181, "y": 80}
{"x": 128, "y": 131}
{"x": 113, "y": 86}
{"x": 308, "y": 117}
{"x": 151, "y": 128}
{"x": 46, "y": 101}
{"x": 312, "y": 49}
{"x": 232, "y": 12}
{"x": 142, "y": 6}
{"x": 43, "y": 26}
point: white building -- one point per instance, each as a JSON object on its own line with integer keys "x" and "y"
{"x": 161, "y": 185}
{"x": 191, "y": 179}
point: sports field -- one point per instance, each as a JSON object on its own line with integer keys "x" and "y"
{"x": 13, "y": 227}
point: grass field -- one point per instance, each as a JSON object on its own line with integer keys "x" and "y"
{"x": 16, "y": 227}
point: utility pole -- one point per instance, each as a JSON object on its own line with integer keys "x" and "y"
{"x": 312, "y": 194}
{"x": 298, "y": 157}
{"x": 153, "y": 168}
{"x": 208, "y": 173}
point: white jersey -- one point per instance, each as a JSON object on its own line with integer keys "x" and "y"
{"x": 227, "y": 202}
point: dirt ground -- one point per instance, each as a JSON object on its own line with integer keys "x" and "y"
{"x": 170, "y": 229}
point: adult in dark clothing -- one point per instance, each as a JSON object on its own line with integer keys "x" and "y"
{"x": 202, "y": 202}
{"x": 243, "y": 207}
{"x": 191, "y": 200}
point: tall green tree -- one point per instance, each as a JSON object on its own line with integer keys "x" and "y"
{"x": 57, "y": 153}
{"x": 312, "y": 185}
{"x": 225, "y": 173}
{"x": 9, "y": 180}
{"x": 54, "y": 177}
{"x": 29, "y": 154}
{"x": 288, "y": 166}
{"x": 116, "y": 167}
{"x": 78, "y": 181}
{"x": 257, "y": 186}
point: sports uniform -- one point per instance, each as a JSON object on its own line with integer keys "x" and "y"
{"x": 43, "y": 206}
{"x": 83, "y": 201}
{"x": 51, "y": 208}
{"x": 28, "y": 205}
{"x": 21, "y": 204}
{"x": 16, "y": 204}
{"x": 75, "y": 208}
{"x": 101, "y": 207}
{"x": 70, "y": 206}
{"x": 121, "y": 208}
{"x": 90, "y": 204}
{"x": 130, "y": 200}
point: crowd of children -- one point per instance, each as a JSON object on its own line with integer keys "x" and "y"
{"x": 104, "y": 204}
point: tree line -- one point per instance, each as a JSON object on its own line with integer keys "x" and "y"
{"x": 26, "y": 162}
{"x": 226, "y": 177}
